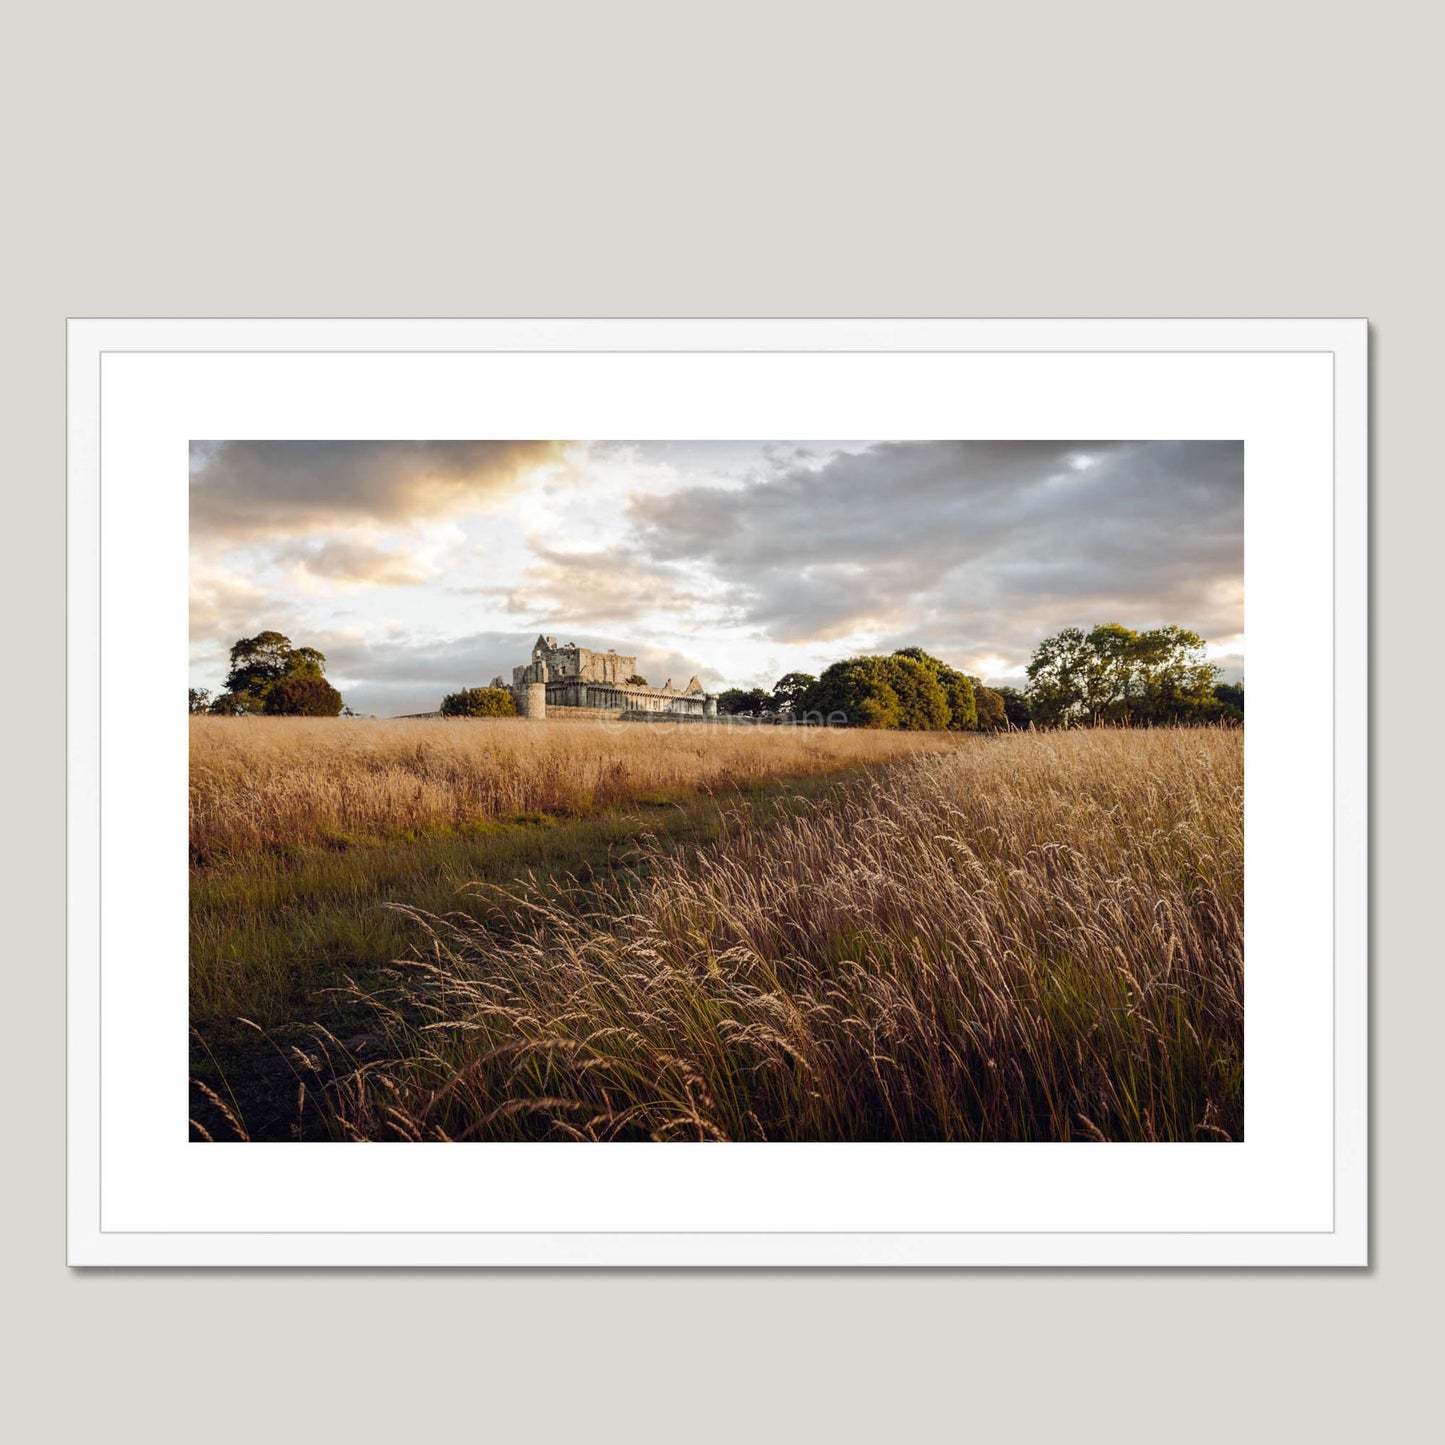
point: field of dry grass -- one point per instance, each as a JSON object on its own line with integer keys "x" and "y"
{"x": 280, "y": 783}
{"x": 1036, "y": 936}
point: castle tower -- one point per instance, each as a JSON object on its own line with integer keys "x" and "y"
{"x": 529, "y": 690}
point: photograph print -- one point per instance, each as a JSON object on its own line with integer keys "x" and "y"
{"x": 716, "y": 791}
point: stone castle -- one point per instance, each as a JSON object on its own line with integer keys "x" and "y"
{"x": 576, "y": 677}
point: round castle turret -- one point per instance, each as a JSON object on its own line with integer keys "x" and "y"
{"x": 529, "y": 691}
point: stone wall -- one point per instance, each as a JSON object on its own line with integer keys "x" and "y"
{"x": 582, "y": 714}
{"x": 581, "y": 663}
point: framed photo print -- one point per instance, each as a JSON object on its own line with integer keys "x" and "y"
{"x": 711, "y": 792}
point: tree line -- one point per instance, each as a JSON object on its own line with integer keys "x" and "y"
{"x": 906, "y": 689}
{"x": 1110, "y": 675}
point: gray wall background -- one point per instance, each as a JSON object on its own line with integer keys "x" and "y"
{"x": 741, "y": 159}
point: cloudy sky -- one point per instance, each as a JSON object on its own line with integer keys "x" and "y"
{"x": 422, "y": 567}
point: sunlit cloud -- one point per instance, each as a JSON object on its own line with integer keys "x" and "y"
{"x": 248, "y": 489}
{"x": 353, "y": 564}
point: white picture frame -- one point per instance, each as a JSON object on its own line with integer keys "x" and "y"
{"x": 1294, "y": 1192}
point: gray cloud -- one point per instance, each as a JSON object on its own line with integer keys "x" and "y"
{"x": 249, "y": 489}
{"x": 982, "y": 547}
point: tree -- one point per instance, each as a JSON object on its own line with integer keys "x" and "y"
{"x": 931, "y": 697}
{"x": 479, "y": 702}
{"x": 308, "y": 661}
{"x": 1057, "y": 675}
{"x": 1174, "y": 679}
{"x": 302, "y": 695}
{"x": 789, "y": 690}
{"x": 855, "y": 691}
{"x": 962, "y": 698}
{"x": 200, "y": 699}
{"x": 742, "y": 702}
{"x": 992, "y": 714}
{"x": 958, "y": 689}
{"x": 637, "y": 680}
{"x": 263, "y": 664}
{"x": 259, "y": 663}
{"x": 880, "y": 692}
{"x": 1113, "y": 674}
{"x": 1110, "y": 672}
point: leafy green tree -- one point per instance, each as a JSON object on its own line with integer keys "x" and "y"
{"x": 742, "y": 702}
{"x": 962, "y": 698}
{"x": 880, "y": 692}
{"x": 1110, "y": 675}
{"x": 1113, "y": 674}
{"x": 992, "y": 715}
{"x": 1058, "y": 678}
{"x": 856, "y": 692}
{"x": 200, "y": 699}
{"x": 306, "y": 662}
{"x": 302, "y": 695}
{"x": 931, "y": 697}
{"x": 1173, "y": 678}
{"x": 261, "y": 664}
{"x": 479, "y": 702}
{"x": 789, "y": 690}
{"x": 958, "y": 689}
{"x": 637, "y": 680}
